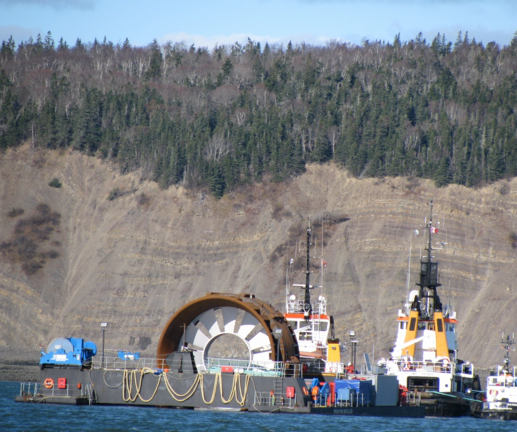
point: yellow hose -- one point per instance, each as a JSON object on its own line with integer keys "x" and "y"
{"x": 131, "y": 383}
{"x": 127, "y": 385}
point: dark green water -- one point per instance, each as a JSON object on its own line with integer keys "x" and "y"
{"x": 31, "y": 417}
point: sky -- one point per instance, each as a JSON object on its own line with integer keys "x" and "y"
{"x": 207, "y": 23}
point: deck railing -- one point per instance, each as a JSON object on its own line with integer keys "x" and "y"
{"x": 268, "y": 399}
{"x": 214, "y": 365}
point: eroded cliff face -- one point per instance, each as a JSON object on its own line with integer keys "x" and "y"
{"x": 135, "y": 259}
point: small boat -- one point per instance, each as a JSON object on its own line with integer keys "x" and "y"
{"x": 424, "y": 357}
{"x": 320, "y": 350}
{"x": 500, "y": 398}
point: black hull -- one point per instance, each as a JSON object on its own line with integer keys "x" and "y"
{"x": 377, "y": 411}
{"x": 494, "y": 414}
{"x": 446, "y": 407}
{"x": 447, "y": 410}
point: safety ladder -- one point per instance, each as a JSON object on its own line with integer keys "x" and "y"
{"x": 279, "y": 388}
{"x": 90, "y": 393}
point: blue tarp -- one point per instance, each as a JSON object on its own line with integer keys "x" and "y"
{"x": 363, "y": 389}
{"x": 124, "y": 355}
{"x": 345, "y": 394}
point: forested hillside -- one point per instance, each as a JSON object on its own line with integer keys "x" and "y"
{"x": 216, "y": 119}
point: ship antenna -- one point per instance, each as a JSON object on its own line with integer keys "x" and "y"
{"x": 408, "y": 278}
{"x": 323, "y": 263}
{"x": 507, "y": 344}
{"x": 450, "y": 269}
{"x": 307, "y": 307}
{"x": 430, "y": 237}
{"x": 287, "y": 284}
{"x": 429, "y": 272}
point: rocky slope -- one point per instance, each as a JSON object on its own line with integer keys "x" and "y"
{"x": 117, "y": 249}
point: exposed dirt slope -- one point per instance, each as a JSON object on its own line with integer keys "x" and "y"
{"x": 134, "y": 260}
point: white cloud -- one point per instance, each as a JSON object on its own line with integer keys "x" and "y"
{"x": 56, "y": 4}
{"x": 18, "y": 33}
{"x": 211, "y": 41}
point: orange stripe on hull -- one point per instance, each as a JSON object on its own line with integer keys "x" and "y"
{"x": 301, "y": 316}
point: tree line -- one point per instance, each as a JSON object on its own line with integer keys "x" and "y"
{"x": 238, "y": 114}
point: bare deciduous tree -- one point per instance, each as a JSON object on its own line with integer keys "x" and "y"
{"x": 217, "y": 147}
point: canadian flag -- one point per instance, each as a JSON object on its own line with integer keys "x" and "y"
{"x": 434, "y": 230}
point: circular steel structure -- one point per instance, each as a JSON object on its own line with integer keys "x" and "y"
{"x": 199, "y": 323}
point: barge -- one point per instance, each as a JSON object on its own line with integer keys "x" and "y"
{"x": 268, "y": 377}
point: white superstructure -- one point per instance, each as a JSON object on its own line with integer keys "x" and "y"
{"x": 424, "y": 357}
{"x": 501, "y": 385}
{"x": 311, "y": 324}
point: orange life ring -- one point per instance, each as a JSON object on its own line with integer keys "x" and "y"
{"x": 48, "y": 383}
{"x": 494, "y": 392}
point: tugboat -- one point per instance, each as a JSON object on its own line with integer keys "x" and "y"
{"x": 501, "y": 389}
{"x": 424, "y": 357}
{"x": 320, "y": 350}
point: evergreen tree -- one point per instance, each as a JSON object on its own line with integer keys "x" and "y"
{"x": 155, "y": 64}
{"x": 442, "y": 175}
{"x": 216, "y": 181}
{"x": 407, "y": 108}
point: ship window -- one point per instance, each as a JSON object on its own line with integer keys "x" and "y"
{"x": 412, "y": 324}
{"x": 305, "y": 324}
{"x": 423, "y": 383}
{"x": 322, "y": 326}
{"x": 293, "y": 324}
{"x": 439, "y": 325}
{"x": 402, "y": 325}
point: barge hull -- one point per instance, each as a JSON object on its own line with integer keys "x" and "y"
{"x": 235, "y": 392}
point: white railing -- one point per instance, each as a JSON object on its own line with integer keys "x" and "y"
{"x": 420, "y": 366}
{"x": 25, "y": 389}
{"x": 115, "y": 362}
{"x": 298, "y": 307}
{"x": 214, "y": 365}
{"x": 353, "y": 400}
{"x": 337, "y": 368}
{"x": 268, "y": 399}
{"x": 265, "y": 368}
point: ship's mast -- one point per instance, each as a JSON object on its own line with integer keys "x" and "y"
{"x": 507, "y": 344}
{"x": 426, "y": 305}
{"x": 307, "y": 307}
{"x": 430, "y": 301}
